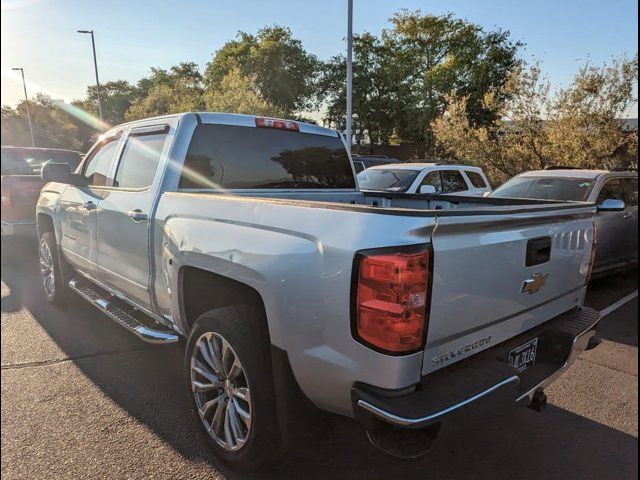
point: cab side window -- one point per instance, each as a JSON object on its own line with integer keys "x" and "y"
{"x": 452, "y": 181}
{"x": 631, "y": 188}
{"x": 612, "y": 189}
{"x": 433, "y": 179}
{"x": 139, "y": 160}
{"x": 96, "y": 167}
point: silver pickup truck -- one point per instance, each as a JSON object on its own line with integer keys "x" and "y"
{"x": 249, "y": 237}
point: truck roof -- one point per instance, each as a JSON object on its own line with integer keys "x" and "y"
{"x": 242, "y": 120}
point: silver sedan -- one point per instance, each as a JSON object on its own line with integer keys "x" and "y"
{"x": 614, "y": 192}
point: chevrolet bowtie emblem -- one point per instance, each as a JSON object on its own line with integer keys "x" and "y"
{"x": 535, "y": 283}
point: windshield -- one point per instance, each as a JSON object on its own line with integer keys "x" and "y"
{"x": 27, "y": 161}
{"x": 545, "y": 188}
{"x": 389, "y": 180}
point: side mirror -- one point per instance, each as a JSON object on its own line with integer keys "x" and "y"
{"x": 61, "y": 173}
{"x": 611, "y": 205}
{"x": 427, "y": 189}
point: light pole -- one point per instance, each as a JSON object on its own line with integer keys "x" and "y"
{"x": 349, "y": 70}
{"x": 26, "y": 101}
{"x": 95, "y": 66}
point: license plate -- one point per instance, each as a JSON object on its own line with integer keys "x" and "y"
{"x": 524, "y": 356}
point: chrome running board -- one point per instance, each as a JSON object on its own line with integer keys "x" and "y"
{"x": 122, "y": 317}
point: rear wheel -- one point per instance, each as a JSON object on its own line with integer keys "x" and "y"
{"x": 54, "y": 289}
{"x": 230, "y": 385}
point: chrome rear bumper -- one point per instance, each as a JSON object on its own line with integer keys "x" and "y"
{"x": 486, "y": 378}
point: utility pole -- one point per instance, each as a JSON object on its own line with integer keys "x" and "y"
{"x": 26, "y": 101}
{"x": 349, "y": 72}
{"x": 95, "y": 66}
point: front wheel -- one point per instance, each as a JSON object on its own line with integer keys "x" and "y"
{"x": 230, "y": 385}
{"x": 54, "y": 288}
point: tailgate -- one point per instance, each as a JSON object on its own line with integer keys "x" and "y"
{"x": 496, "y": 275}
{"x": 19, "y": 197}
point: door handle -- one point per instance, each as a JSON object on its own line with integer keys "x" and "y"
{"x": 627, "y": 215}
{"x": 89, "y": 205}
{"x": 137, "y": 215}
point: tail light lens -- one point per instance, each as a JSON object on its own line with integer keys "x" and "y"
{"x": 392, "y": 294}
{"x": 592, "y": 259}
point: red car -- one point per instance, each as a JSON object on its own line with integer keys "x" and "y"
{"x": 21, "y": 184}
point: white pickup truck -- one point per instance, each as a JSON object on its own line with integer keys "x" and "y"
{"x": 249, "y": 237}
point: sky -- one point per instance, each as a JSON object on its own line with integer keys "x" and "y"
{"x": 134, "y": 35}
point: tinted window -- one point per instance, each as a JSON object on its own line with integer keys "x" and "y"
{"x": 139, "y": 160}
{"x": 28, "y": 161}
{"x": 612, "y": 189}
{"x": 476, "y": 179}
{"x": 223, "y": 156}
{"x": 631, "y": 188}
{"x": 14, "y": 164}
{"x": 97, "y": 166}
{"x": 392, "y": 180}
{"x": 358, "y": 166}
{"x": 433, "y": 179}
{"x": 544, "y": 188}
{"x": 452, "y": 181}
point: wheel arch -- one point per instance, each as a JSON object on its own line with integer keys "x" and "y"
{"x": 202, "y": 290}
{"x": 45, "y": 223}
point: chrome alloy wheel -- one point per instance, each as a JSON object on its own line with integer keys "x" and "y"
{"x": 46, "y": 269}
{"x": 221, "y": 391}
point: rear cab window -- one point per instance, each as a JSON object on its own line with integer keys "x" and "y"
{"x": 236, "y": 157}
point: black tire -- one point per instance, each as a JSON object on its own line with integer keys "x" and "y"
{"x": 244, "y": 328}
{"x": 59, "y": 294}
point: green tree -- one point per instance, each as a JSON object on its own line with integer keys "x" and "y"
{"x": 584, "y": 122}
{"x": 283, "y": 71}
{"x": 535, "y": 128}
{"x": 401, "y": 80}
{"x": 52, "y": 126}
{"x": 441, "y": 55}
{"x": 117, "y": 97}
{"x": 238, "y": 93}
{"x": 375, "y": 89}
{"x": 177, "y": 90}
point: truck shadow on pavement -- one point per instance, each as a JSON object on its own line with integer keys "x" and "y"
{"x": 616, "y": 327}
{"x": 148, "y": 383}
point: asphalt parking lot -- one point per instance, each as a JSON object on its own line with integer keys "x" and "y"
{"x": 82, "y": 398}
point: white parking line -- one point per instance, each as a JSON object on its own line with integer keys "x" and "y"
{"x": 614, "y": 306}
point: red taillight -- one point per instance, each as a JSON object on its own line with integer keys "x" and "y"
{"x": 392, "y": 293}
{"x": 592, "y": 259}
{"x": 277, "y": 123}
